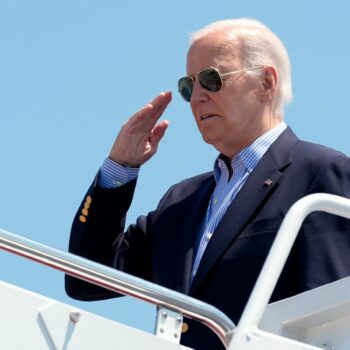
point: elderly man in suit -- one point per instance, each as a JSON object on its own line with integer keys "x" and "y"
{"x": 211, "y": 233}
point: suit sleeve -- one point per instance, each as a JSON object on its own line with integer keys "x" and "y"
{"x": 98, "y": 234}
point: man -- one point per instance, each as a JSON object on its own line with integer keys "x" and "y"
{"x": 210, "y": 234}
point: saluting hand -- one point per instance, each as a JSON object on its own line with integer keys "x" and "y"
{"x": 139, "y": 137}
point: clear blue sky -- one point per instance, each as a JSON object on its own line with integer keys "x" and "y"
{"x": 72, "y": 71}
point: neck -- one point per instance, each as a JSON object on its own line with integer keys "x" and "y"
{"x": 230, "y": 150}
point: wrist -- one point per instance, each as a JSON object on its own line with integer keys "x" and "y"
{"x": 124, "y": 164}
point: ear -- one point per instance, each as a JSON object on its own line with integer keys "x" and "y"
{"x": 269, "y": 81}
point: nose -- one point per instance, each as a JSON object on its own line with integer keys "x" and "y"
{"x": 199, "y": 94}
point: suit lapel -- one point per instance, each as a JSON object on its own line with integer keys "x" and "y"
{"x": 248, "y": 202}
{"x": 196, "y": 209}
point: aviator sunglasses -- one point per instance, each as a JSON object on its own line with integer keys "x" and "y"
{"x": 210, "y": 79}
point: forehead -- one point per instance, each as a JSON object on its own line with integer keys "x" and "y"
{"x": 216, "y": 50}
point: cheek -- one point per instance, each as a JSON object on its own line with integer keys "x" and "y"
{"x": 193, "y": 112}
{"x": 226, "y": 106}
{"x": 192, "y": 107}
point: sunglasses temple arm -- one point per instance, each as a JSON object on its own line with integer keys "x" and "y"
{"x": 242, "y": 70}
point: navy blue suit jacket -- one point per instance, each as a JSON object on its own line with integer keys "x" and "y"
{"x": 159, "y": 247}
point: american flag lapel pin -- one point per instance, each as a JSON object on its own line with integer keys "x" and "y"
{"x": 268, "y": 182}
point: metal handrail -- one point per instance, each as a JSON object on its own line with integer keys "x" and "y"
{"x": 279, "y": 253}
{"x": 120, "y": 282}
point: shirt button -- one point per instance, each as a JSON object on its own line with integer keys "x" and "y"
{"x": 215, "y": 200}
{"x": 118, "y": 183}
{"x": 209, "y": 236}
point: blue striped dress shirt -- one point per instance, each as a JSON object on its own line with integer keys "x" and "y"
{"x": 113, "y": 175}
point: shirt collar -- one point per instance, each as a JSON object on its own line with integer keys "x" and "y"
{"x": 250, "y": 156}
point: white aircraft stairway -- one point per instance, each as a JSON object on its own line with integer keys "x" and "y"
{"x": 317, "y": 319}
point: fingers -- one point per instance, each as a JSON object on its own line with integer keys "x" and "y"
{"x": 139, "y": 137}
{"x": 147, "y": 116}
{"x": 158, "y": 132}
{"x": 160, "y": 102}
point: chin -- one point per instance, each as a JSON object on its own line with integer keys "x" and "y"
{"x": 209, "y": 140}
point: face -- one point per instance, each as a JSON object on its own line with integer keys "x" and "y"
{"x": 235, "y": 116}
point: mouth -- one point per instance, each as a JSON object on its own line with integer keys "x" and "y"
{"x": 207, "y": 116}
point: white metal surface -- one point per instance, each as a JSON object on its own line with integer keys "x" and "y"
{"x": 255, "y": 339}
{"x": 320, "y": 316}
{"x": 168, "y": 325}
{"x": 31, "y": 321}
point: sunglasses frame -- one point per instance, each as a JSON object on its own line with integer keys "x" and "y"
{"x": 193, "y": 78}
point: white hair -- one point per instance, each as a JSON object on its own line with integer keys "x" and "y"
{"x": 259, "y": 47}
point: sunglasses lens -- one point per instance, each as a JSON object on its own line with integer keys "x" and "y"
{"x": 185, "y": 86}
{"x": 210, "y": 79}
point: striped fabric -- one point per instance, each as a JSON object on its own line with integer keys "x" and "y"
{"x": 113, "y": 175}
{"x": 226, "y": 189}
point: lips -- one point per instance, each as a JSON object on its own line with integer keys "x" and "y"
{"x": 207, "y": 116}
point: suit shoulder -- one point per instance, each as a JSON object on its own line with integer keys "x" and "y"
{"x": 193, "y": 183}
{"x": 187, "y": 187}
{"x": 197, "y": 179}
{"x": 316, "y": 153}
{"x": 328, "y": 168}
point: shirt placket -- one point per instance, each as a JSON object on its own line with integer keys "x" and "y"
{"x": 217, "y": 208}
